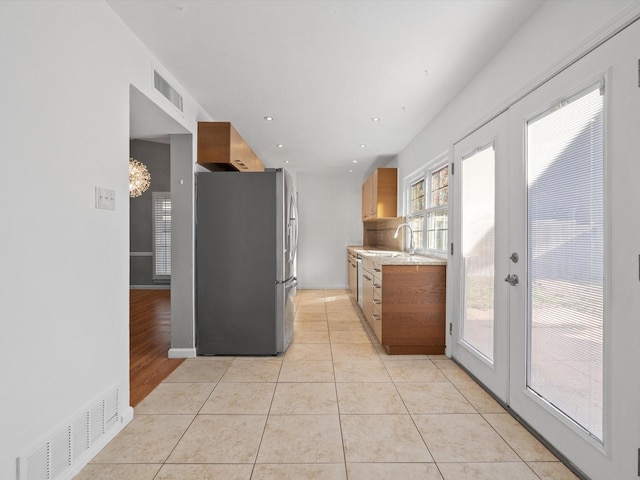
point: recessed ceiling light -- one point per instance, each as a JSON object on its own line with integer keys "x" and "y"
{"x": 355, "y": 161}
{"x": 362, "y": 145}
{"x": 375, "y": 119}
{"x": 350, "y": 171}
{"x": 268, "y": 119}
{"x": 286, "y": 161}
{"x": 279, "y": 145}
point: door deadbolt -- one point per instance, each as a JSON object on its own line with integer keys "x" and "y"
{"x": 512, "y": 280}
{"x": 514, "y": 257}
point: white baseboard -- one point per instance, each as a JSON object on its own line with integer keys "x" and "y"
{"x": 127, "y": 416}
{"x": 182, "y": 353}
{"x": 323, "y": 287}
{"x": 150, "y": 287}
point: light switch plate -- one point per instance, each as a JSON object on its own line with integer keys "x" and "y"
{"x": 105, "y": 198}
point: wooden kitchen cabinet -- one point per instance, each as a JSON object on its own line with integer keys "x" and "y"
{"x": 370, "y": 296}
{"x": 367, "y": 199}
{"x": 376, "y": 318}
{"x": 414, "y": 309}
{"x": 405, "y": 305}
{"x": 220, "y": 147}
{"x": 352, "y": 270}
{"x": 380, "y": 194}
{"x": 367, "y": 296}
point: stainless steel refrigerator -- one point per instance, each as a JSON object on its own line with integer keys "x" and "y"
{"x": 246, "y": 242}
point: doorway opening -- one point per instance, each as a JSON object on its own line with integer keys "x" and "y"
{"x": 152, "y": 298}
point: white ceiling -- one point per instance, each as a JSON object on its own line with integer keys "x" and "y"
{"x": 324, "y": 69}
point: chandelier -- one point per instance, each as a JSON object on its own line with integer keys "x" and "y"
{"x": 139, "y": 178}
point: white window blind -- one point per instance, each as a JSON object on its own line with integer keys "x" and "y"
{"x": 566, "y": 257}
{"x": 161, "y": 235}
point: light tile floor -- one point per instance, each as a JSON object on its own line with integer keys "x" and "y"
{"x": 333, "y": 407}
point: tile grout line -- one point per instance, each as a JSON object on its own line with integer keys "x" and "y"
{"x": 266, "y": 420}
{"x": 506, "y": 441}
{"x": 335, "y": 386}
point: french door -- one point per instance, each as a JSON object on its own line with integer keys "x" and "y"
{"x": 546, "y": 314}
{"x": 480, "y": 177}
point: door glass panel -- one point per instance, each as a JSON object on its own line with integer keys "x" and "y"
{"x": 478, "y": 240}
{"x": 565, "y": 254}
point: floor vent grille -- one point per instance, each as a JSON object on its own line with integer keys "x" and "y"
{"x": 56, "y": 454}
{"x": 167, "y": 90}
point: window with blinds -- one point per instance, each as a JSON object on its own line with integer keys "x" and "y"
{"x": 161, "y": 235}
{"x": 565, "y": 171}
{"x": 427, "y": 195}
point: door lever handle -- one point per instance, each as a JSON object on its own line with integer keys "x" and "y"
{"x": 512, "y": 280}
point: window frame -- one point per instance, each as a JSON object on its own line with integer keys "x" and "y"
{"x": 424, "y": 173}
{"x": 417, "y": 176}
{"x": 161, "y": 278}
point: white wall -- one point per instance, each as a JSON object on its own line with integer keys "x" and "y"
{"x": 64, "y": 129}
{"x": 330, "y": 208}
{"x": 554, "y": 33}
{"x": 557, "y": 33}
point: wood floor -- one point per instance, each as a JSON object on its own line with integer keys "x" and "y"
{"x": 150, "y": 340}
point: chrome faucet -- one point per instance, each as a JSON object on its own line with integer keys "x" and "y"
{"x": 412, "y": 249}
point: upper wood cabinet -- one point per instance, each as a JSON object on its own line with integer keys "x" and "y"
{"x": 220, "y": 147}
{"x": 380, "y": 194}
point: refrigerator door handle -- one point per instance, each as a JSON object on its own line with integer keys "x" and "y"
{"x": 293, "y": 226}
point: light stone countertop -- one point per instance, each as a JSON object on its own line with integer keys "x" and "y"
{"x": 393, "y": 257}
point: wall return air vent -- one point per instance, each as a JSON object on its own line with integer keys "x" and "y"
{"x": 167, "y": 90}
{"x": 55, "y": 457}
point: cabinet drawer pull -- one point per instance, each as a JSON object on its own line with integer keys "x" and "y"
{"x": 376, "y": 317}
{"x": 377, "y": 270}
{"x": 366, "y": 278}
{"x": 241, "y": 163}
{"x": 377, "y": 302}
{"x": 375, "y": 285}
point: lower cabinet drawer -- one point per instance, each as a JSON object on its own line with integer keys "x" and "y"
{"x": 377, "y": 289}
{"x": 377, "y": 322}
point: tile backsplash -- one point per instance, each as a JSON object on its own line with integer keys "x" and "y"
{"x": 379, "y": 233}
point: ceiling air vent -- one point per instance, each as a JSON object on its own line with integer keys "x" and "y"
{"x": 167, "y": 90}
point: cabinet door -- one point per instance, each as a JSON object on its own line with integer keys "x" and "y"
{"x": 380, "y": 194}
{"x": 373, "y": 205}
{"x": 385, "y": 196}
{"x": 377, "y": 302}
{"x": 352, "y": 271}
{"x": 365, "y": 204}
{"x": 367, "y": 201}
{"x": 367, "y": 297}
{"x": 254, "y": 163}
